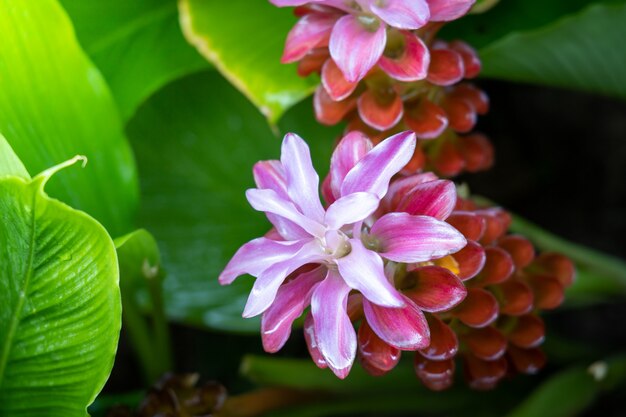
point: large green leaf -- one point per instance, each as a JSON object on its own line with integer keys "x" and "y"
{"x": 10, "y": 164}
{"x": 137, "y": 45}
{"x": 196, "y": 142}
{"x": 509, "y": 16}
{"x": 244, "y": 39}
{"x": 54, "y": 104}
{"x": 60, "y": 310}
{"x": 582, "y": 52}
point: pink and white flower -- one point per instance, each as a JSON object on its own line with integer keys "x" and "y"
{"x": 357, "y": 33}
{"x": 330, "y": 253}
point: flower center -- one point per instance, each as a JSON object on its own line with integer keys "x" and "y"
{"x": 369, "y": 22}
{"x": 336, "y": 243}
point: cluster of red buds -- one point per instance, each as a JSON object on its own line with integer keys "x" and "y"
{"x": 383, "y": 71}
{"x": 496, "y": 329}
{"x": 433, "y": 99}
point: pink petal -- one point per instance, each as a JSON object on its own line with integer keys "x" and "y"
{"x": 404, "y": 328}
{"x": 335, "y": 83}
{"x": 402, "y": 14}
{"x": 329, "y": 112}
{"x": 271, "y": 175}
{"x": 402, "y": 185}
{"x": 350, "y": 209}
{"x": 334, "y": 333}
{"x": 311, "y": 342}
{"x": 412, "y": 65}
{"x": 292, "y": 3}
{"x": 446, "y": 67}
{"x": 434, "y": 198}
{"x": 470, "y": 58}
{"x": 348, "y": 152}
{"x": 446, "y": 10}
{"x": 269, "y": 202}
{"x": 355, "y": 48}
{"x": 381, "y": 113}
{"x": 436, "y": 289}
{"x": 256, "y": 256}
{"x": 407, "y": 238}
{"x": 291, "y": 300}
{"x": 374, "y": 171}
{"x": 307, "y": 33}
{"x": 363, "y": 271}
{"x": 302, "y": 180}
{"x": 266, "y": 285}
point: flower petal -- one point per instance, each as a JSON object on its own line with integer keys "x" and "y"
{"x": 411, "y": 64}
{"x": 435, "y": 375}
{"x": 446, "y": 10}
{"x": 380, "y": 112}
{"x": 446, "y": 67}
{"x": 375, "y": 355}
{"x": 350, "y": 209}
{"x": 311, "y": 342}
{"x": 426, "y": 119}
{"x": 470, "y": 224}
{"x": 363, "y": 271}
{"x": 334, "y": 82}
{"x": 405, "y": 328}
{"x": 403, "y": 14}
{"x": 271, "y": 175}
{"x": 436, "y": 289}
{"x": 443, "y": 341}
{"x": 486, "y": 343}
{"x": 527, "y": 361}
{"x": 306, "y": 34}
{"x": 433, "y": 198}
{"x": 355, "y": 48}
{"x": 529, "y": 332}
{"x": 348, "y": 152}
{"x": 334, "y": 333}
{"x": 407, "y": 238}
{"x": 329, "y": 112}
{"x": 400, "y": 187}
{"x": 266, "y": 285}
{"x": 302, "y": 180}
{"x": 291, "y": 300}
{"x": 482, "y": 374}
{"x": 471, "y": 260}
{"x": 374, "y": 171}
{"x": 257, "y": 255}
{"x": 269, "y": 201}
{"x": 479, "y": 309}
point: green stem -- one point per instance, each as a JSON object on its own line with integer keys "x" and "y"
{"x": 159, "y": 322}
{"x": 139, "y": 336}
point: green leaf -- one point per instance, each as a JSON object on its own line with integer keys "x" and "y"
{"x": 10, "y": 164}
{"x": 570, "y": 392}
{"x": 196, "y": 142}
{"x": 137, "y": 45}
{"x": 580, "y": 52}
{"x": 244, "y": 39}
{"x": 507, "y": 16}
{"x": 61, "y": 313}
{"x": 141, "y": 278}
{"x": 54, "y": 104}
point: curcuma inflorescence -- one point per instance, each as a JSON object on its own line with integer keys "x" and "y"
{"x": 396, "y": 260}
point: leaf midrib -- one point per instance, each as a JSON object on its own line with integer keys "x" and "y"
{"x": 20, "y": 304}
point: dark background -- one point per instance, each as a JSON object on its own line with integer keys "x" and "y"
{"x": 560, "y": 162}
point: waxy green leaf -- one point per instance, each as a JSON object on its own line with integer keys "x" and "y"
{"x": 10, "y": 164}
{"x": 580, "y": 52}
{"x": 55, "y": 104}
{"x": 137, "y": 45}
{"x": 60, "y": 314}
{"x": 196, "y": 142}
{"x": 244, "y": 40}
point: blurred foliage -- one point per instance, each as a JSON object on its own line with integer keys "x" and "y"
{"x": 137, "y": 45}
